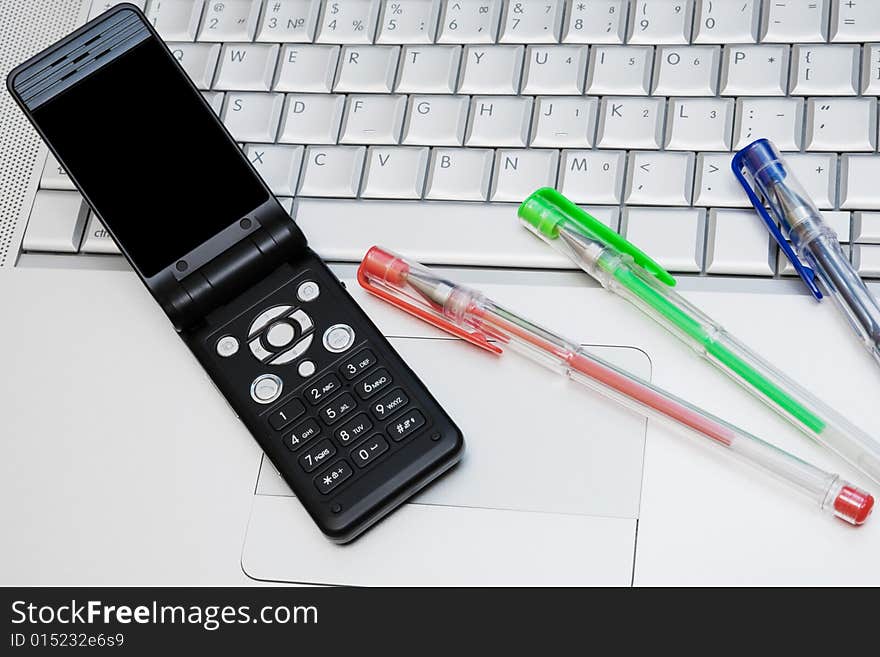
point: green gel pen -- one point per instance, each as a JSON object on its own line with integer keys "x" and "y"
{"x": 622, "y": 268}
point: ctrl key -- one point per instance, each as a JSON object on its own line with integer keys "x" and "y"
{"x": 330, "y": 479}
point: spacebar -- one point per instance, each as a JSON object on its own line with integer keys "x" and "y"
{"x": 437, "y": 233}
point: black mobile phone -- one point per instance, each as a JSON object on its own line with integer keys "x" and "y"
{"x": 348, "y": 425}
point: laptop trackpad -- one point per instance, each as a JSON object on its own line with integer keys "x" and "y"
{"x": 549, "y": 466}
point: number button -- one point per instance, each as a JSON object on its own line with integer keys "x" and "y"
{"x": 378, "y": 380}
{"x": 330, "y": 479}
{"x": 336, "y": 410}
{"x": 302, "y": 434}
{"x": 389, "y": 404}
{"x": 286, "y": 414}
{"x": 353, "y": 429}
{"x": 360, "y": 363}
{"x": 368, "y": 451}
{"x": 405, "y": 425}
{"x": 323, "y": 388}
{"x": 317, "y": 455}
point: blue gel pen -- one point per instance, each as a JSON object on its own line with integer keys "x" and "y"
{"x": 763, "y": 174}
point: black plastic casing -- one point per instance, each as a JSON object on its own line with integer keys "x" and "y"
{"x": 253, "y": 264}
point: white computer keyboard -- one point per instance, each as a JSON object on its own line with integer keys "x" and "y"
{"x": 423, "y": 122}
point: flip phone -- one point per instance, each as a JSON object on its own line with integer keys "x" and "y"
{"x": 348, "y": 425}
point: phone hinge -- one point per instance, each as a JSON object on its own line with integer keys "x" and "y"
{"x": 274, "y": 240}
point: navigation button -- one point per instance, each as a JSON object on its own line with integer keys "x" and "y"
{"x": 294, "y": 352}
{"x": 266, "y": 388}
{"x": 227, "y": 346}
{"x": 338, "y": 338}
{"x": 280, "y": 334}
{"x": 304, "y": 321}
{"x": 265, "y": 317}
{"x": 258, "y": 350}
{"x": 308, "y": 291}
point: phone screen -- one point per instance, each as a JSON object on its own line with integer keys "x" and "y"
{"x": 162, "y": 175}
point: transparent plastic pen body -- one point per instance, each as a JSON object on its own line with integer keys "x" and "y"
{"x": 815, "y": 242}
{"x": 474, "y": 312}
{"x": 619, "y": 274}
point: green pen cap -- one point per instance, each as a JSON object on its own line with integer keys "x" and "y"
{"x": 546, "y": 210}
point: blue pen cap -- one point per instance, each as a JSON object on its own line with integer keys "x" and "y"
{"x": 762, "y": 162}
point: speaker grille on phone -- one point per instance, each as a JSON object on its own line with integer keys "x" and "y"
{"x": 26, "y": 27}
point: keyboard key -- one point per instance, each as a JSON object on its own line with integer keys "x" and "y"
{"x": 327, "y": 481}
{"x": 520, "y": 172}
{"x": 673, "y": 236}
{"x": 367, "y": 68}
{"x": 592, "y": 176}
{"x": 660, "y": 21}
{"x": 96, "y": 239}
{"x": 841, "y": 124}
{"x": 215, "y": 100}
{"x": 175, "y": 20}
{"x": 278, "y": 165}
{"x": 560, "y": 121}
{"x": 699, "y": 124}
{"x": 408, "y": 21}
{"x": 54, "y": 176}
{"x": 247, "y": 67}
{"x": 56, "y": 223}
{"x": 866, "y": 259}
{"x": 686, "y": 71}
{"x": 818, "y": 175}
{"x": 622, "y": 70}
{"x": 371, "y": 119}
{"x": 436, "y": 120}
{"x": 785, "y": 267}
{"x": 230, "y": 20}
{"x": 252, "y": 116}
{"x": 307, "y": 68}
{"x": 491, "y": 70}
{"x": 429, "y": 69}
{"x": 353, "y": 429}
{"x": 100, "y": 6}
{"x": 459, "y": 174}
{"x": 531, "y": 21}
{"x": 754, "y": 71}
{"x": 726, "y": 22}
{"x": 499, "y": 121}
{"x": 777, "y": 119}
{"x": 630, "y": 123}
{"x": 866, "y": 227}
{"x": 795, "y": 20}
{"x": 369, "y": 451}
{"x": 595, "y": 21}
{"x": 839, "y": 222}
{"x": 301, "y": 434}
{"x": 859, "y": 175}
{"x": 322, "y": 389}
{"x": 332, "y": 171}
{"x": 854, "y": 22}
{"x": 317, "y": 455}
{"x": 287, "y": 414}
{"x": 469, "y": 22}
{"x": 825, "y": 70}
{"x": 311, "y": 119}
{"x": 395, "y": 172}
{"x": 737, "y": 242}
{"x": 337, "y": 409}
{"x": 555, "y": 70}
{"x": 289, "y": 21}
{"x": 348, "y": 21}
{"x": 406, "y": 425}
{"x": 715, "y": 185}
{"x": 199, "y": 60}
{"x": 659, "y": 178}
{"x": 871, "y": 70}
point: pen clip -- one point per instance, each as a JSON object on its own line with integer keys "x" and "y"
{"x": 549, "y": 208}
{"x": 808, "y": 276}
{"x": 477, "y": 337}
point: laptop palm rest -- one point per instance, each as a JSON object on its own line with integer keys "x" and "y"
{"x": 547, "y": 492}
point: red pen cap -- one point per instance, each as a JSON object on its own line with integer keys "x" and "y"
{"x": 385, "y": 266}
{"x": 853, "y": 505}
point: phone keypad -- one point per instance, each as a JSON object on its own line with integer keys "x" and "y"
{"x": 357, "y": 413}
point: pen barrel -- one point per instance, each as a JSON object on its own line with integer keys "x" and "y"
{"x": 824, "y": 489}
{"x": 843, "y": 283}
{"x": 711, "y": 341}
